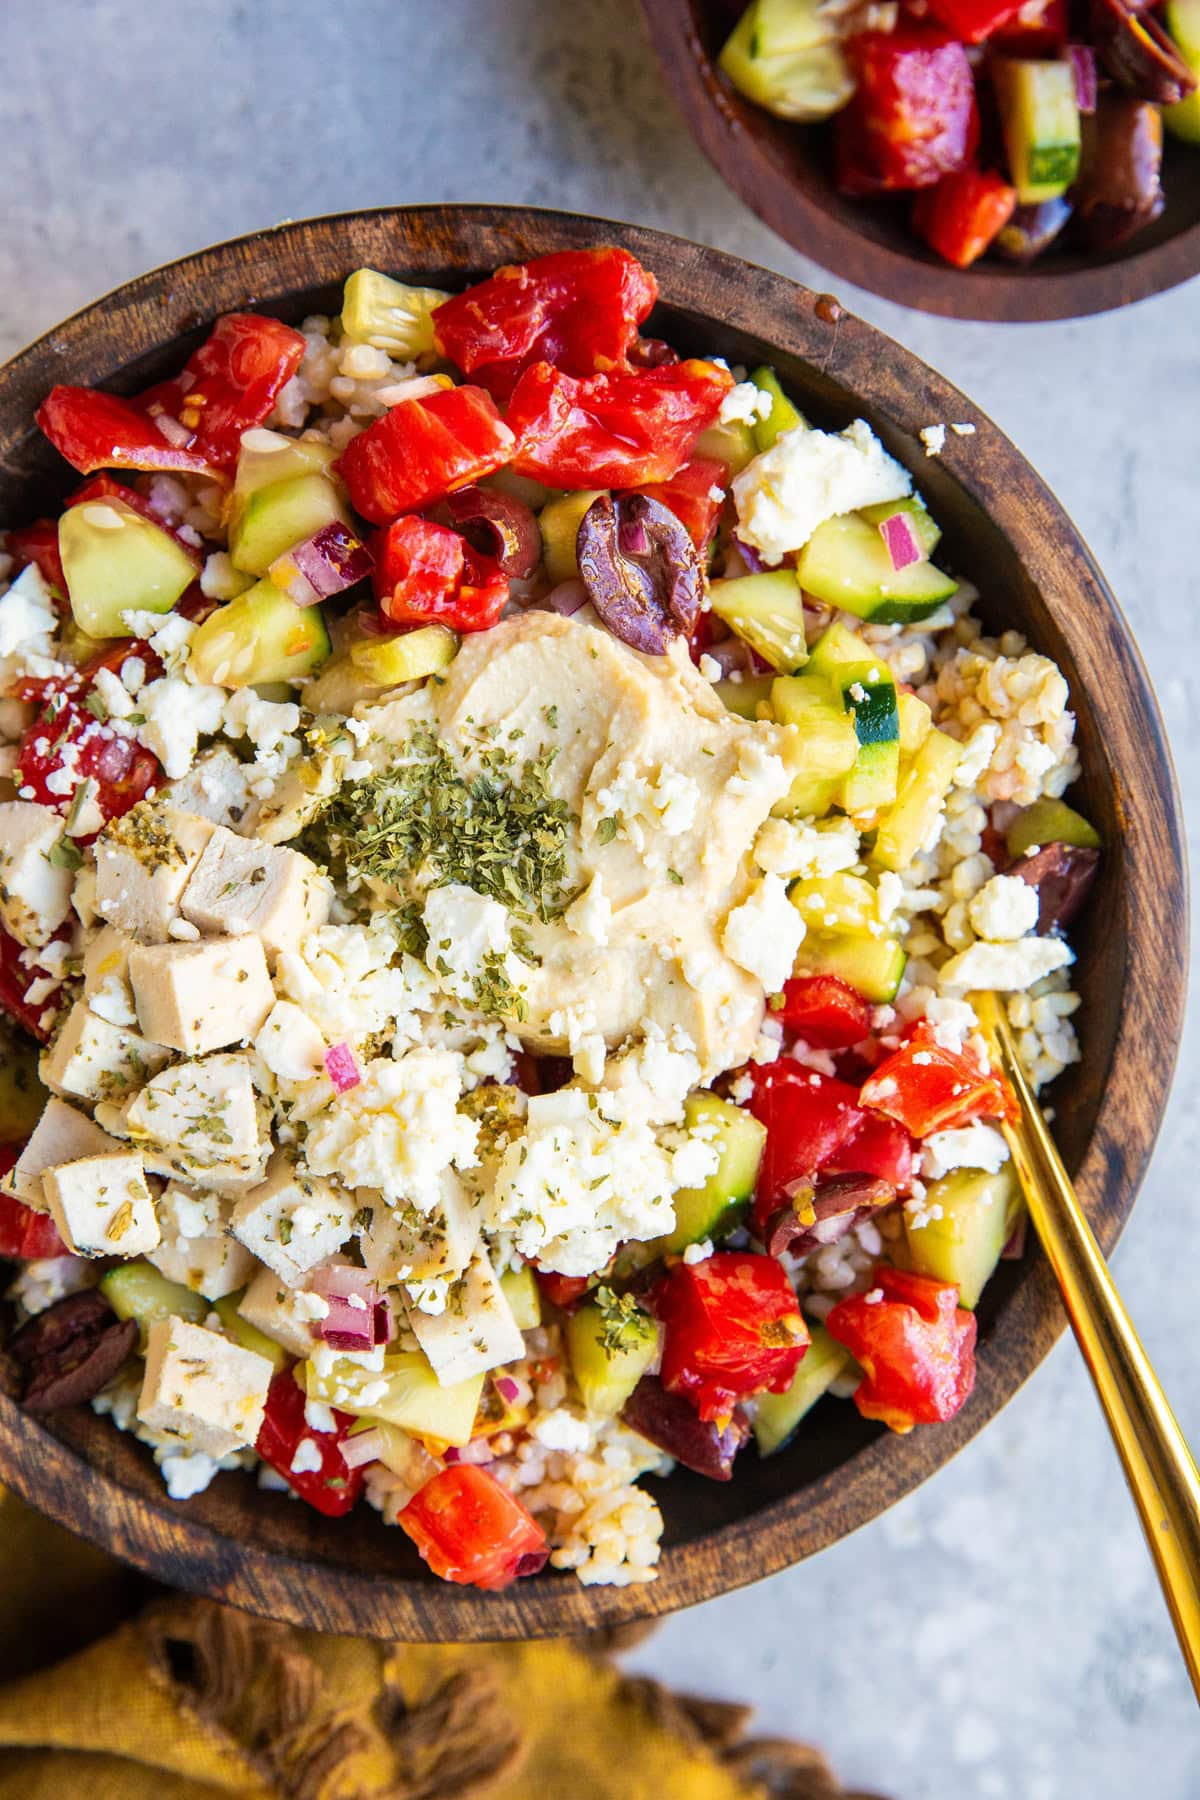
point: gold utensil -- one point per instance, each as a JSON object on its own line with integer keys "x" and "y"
{"x": 1158, "y": 1465}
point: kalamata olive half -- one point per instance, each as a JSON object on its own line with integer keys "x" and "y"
{"x": 675, "y": 1426}
{"x": 71, "y": 1351}
{"x": 832, "y": 1211}
{"x": 500, "y": 526}
{"x": 1136, "y": 49}
{"x": 1119, "y": 191}
{"x": 1032, "y": 229}
{"x": 1061, "y": 875}
{"x": 640, "y": 569}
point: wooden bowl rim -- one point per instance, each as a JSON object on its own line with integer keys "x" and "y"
{"x": 45, "y": 1468}
{"x": 718, "y": 117}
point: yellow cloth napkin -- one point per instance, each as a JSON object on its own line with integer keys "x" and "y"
{"x": 105, "y": 1695}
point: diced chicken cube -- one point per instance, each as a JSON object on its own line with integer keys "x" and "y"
{"x": 293, "y": 1221}
{"x": 476, "y": 1332}
{"x": 102, "y": 1205}
{"x": 61, "y": 1135}
{"x": 97, "y": 1060}
{"x": 210, "y": 1393}
{"x": 401, "y": 1244}
{"x": 143, "y": 863}
{"x": 35, "y": 896}
{"x": 215, "y": 788}
{"x": 203, "y": 1121}
{"x": 203, "y": 996}
{"x": 240, "y": 885}
{"x": 284, "y": 1314}
{"x": 106, "y": 976}
{"x": 197, "y": 1250}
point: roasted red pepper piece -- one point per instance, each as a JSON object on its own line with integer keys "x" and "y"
{"x": 690, "y": 496}
{"x": 16, "y": 978}
{"x": 471, "y": 1530}
{"x": 227, "y": 386}
{"x": 332, "y": 1489}
{"x": 732, "y": 1328}
{"x": 826, "y": 1012}
{"x": 38, "y": 544}
{"x": 68, "y": 736}
{"x": 563, "y": 1291}
{"x": 421, "y": 450}
{"x": 974, "y": 20}
{"x": 915, "y": 1344}
{"x": 961, "y": 215}
{"x": 577, "y": 309}
{"x": 928, "y": 1088}
{"x": 426, "y": 573}
{"x": 808, "y": 1117}
{"x": 25, "y": 1235}
{"x": 612, "y": 431}
{"x": 913, "y": 116}
{"x": 879, "y": 1147}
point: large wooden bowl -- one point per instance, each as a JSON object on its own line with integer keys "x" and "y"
{"x": 784, "y": 172}
{"x": 1004, "y": 530}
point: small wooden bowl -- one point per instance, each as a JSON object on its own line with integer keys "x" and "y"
{"x": 1002, "y": 528}
{"x": 784, "y": 173}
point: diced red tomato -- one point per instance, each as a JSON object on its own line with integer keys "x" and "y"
{"x": 974, "y": 20}
{"x": 689, "y": 494}
{"x": 1042, "y": 34}
{"x": 426, "y": 572}
{"x": 916, "y": 1347}
{"x": 961, "y": 215}
{"x": 913, "y": 117}
{"x": 15, "y": 981}
{"x": 38, "y": 544}
{"x": 334, "y": 1487}
{"x": 25, "y": 1235}
{"x": 227, "y": 386}
{"x": 619, "y": 430}
{"x": 879, "y": 1147}
{"x": 808, "y": 1116}
{"x": 78, "y": 680}
{"x": 577, "y": 309}
{"x": 471, "y": 1530}
{"x": 732, "y": 1328}
{"x": 928, "y": 1088}
{"x": 563, "y": 1291}
{"x": 825, "y": 1011}
{"x": 421, "y": 450}
{"x": 67, "y": 735}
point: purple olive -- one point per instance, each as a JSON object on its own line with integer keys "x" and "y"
{"x": 1062, "y": 876}
{"x": 1119, "y": 192}
{"x": 815, "y": 1219}
{"x": 1031, "y": 230}
{"x": 71, "y": 1351}
{"x": 652, "y": 353}
{"x": 499, "y": 526}
{"x": 673, "y": 1424}
{"x": 1135, "y": 48}
{"x": 640, "y": 569}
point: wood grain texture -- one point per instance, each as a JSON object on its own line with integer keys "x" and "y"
{"x": 784, "y": 173}
{"x": 1004, "y": 530}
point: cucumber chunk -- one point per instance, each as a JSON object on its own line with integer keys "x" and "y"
{"x": 1183, "y": 25}
{"x": 413, "y": 1399}
{"x": 260, "y": 636}
{"x": 784, "y": 415}
{"x": 409, "y": 656}
{"x": 868, "y": 692}
{"x": 776, "y": 1416}
{"x": 733, "y": 444}
{"x": 285, "y": 513}
{"x": 1050, "y": 822}
{"x": 136, "y": 1290}
{"x": 846, "y": 563}
{"x": 837, "y": 902}
{"x": 610, "y": 1344}
{"x": 916, "y": 722}
{"x": 963, "y": 1245}
{"x": 829, "y": 742}
{"x": 767, "y": 612}
{"x": 242, "y": 1332}
{"x": 269, "y": 457}
{"x": 115, "y": 561}
{"x": 1039, "y": 116}
{"x": 783, "y": 55}
{"x": 520, "y": 1289}
{"x": 872, "y": 966}
{"x": 559, "y": 523}
{"x": 712, "y": 1211}
{"x": 905, "y": 827}
{"x": 744, "y": 697}
{"x": 929, "y": 535}
{"x": 389, "y": 314}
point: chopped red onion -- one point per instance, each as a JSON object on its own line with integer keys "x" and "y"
{"x": 362, "y": 1447}
{"x": 1083, "y": 66}
{"x": 1014, "y": 1250}
{"x": 341, "y": 1068}
{"x": 327, "y": 563}
{"x": 734, "y": 656}
{"x": 566, "y": 599}
{"x": 507, "y": 1388}
{"x": 358, "y": 1317}
{"x": 903, "y": 545}
{"x": 478, "y": 1451}
{"x": 749, "y": 555}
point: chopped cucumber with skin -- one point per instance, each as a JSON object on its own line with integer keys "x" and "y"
{"x": 136, "y": 1290}
{"x": 275, "y": 518}
{"x": 746, "y": 696}
{"x": 784, "y": 55}
{"x": 611, "y": 1343}
{"x": 115, "y": 561}
{"x": 531, "y": 493}
{"x": 929, "y": 535}
{"x": 260, "y": 636}
{"x": 837, "y": 902}
{"x": 829, "y": 742}
{"x": 559, "y": 523}
{"x": 389, "y": 314}
{"x": 268, "y": 457}
{"x": 872, "y": 966}
{"x": 1183, "y": 26}
{"x": 776, "y": 1416}
{"x": 413, "y": 1398}
{"x": 520, "y": 1289}
{"x": 733, "y": 444}
{"x": 916, "y": 723}
{"x": 784, "y": 415}
{"x": 409, "y": 656}
{"x": 1039, "y": 115}
{"x": 905, "y": 828}
{"x": 767, "y": 612}
{"x": 713, "y": 1211}
{"x": 1050, "y": 822}
{"x": 241, "y": 1331}
{"x": 846, "y": 564}
{"x": 868, "y": 691}
{"x": 963, "y": 1240}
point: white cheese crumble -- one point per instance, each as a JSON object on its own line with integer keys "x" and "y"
{"x": 1005, "y": 908}
{"x": 763, "y": 934}
{"x": 934, "y": 439}
{"x": 590, "y": 916}
{"x": 745, "y": 404}
{"x": 398, "y": 1130}
{"x": 187, "y": 1472}
{"x": 807, "y": 477}
{"x": 307, "y": 1459}
{"x": 27, "y": 617}
{"x": 1005, "y": 967}
{"x": 470, "y": 941}
{"x": 975, "y": 1146}
{"x": 177, "y": 715}
{"x": 785, "y": 847}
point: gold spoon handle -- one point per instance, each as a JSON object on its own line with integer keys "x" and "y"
{"x": 1158, "y": 1464}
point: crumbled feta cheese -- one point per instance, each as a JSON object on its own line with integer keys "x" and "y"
{"x": 1004, "y": 908}
{"x": 1006, "y": 968}
{"x": 763, "y": 934}
{"x": 976, "y": 1146}
{"x": 978, "y": 751}
{"x": 786, "y": 848}
{"x": 27, "y": 616}
{"x": 290, "y": 1044}
{"x": 398, "y": 1130}
{"x": 744, "y": 404}
{"x": 307, "y": 1458}
{"x": 963, "y": 429}
{"x": 187, "y": 1472}
{"x": 590, "y": 915}
{"x": 35, "y": 896}
{"x": 350, "y": 982}
{"x": 807, "y": 477}
{"x": 700, "y": 1252}
{"x": 177, "y": 715}
{"x": 117, "y": 700}
{"x": 710, "y": 668}
{"x": 470, "y": 942}
{"x": 934, "y": 439}
{"x": 563, "y": 1430}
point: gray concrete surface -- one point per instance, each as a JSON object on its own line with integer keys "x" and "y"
{"x": 999, "y": 1635}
